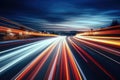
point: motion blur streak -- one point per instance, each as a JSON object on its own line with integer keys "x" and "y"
{"x": 61, "y": 58}
{"x": 92, "y": 59}
{"x": 54, "y": 64}
{"x": 113, "y": 42}
{"x": 65, "y": 63}
{"x": 112, "y": 51}
{"x": 98, "y": 51}
{"x": 73, "y": 64}
{"x": 17, "y": 31}
{"x": 38, "y": 63}
{"x": 42, "y": 57}
{"x": 14, "y": 57}
{"x": 77, "y": 50}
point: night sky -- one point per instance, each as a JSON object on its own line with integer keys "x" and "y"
{"x": 60, "y": 15}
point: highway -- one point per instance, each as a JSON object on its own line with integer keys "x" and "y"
{"x": 61, "y": 58}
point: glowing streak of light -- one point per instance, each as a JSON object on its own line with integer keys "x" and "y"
{"x": 78, "y": 51}
{"x": 103, "y": 55}
{"x": 94, "y": 61}
{"x": 115, "y": 52}
{"x": 102, "y": 37}
{"x": 64, "y": 68}
{"x": 26, "y": 54}
{"x": 75, "y": 70}
{"x": 19, "y": 47}
{"x": 84, "y": 77}
{"x": 54, "y": 64}
{"x": 26, "y": 47}
{"x": 38, "y": 67}
{"x": 45, "y": 54}
{"x": 17, "y": 31}
{"x": 17, "y": 52}
{"x": 50, "y": 74}
{"x": 113, "y": 30}
{"x": 18, "y": 59}
{"x": 100, "y": 53}
{"x": 113, "y": 42}
{"x": 67, "y": 60}
{"x": 67, "y": 75}
{"x": 64, "y": 64}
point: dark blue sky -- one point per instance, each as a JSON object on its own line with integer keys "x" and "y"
{"x": 61, "y": 14}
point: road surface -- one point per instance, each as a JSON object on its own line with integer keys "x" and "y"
{"x": 60, "y": 58}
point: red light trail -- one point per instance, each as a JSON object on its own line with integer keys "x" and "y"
{"x": 62, "y": 58}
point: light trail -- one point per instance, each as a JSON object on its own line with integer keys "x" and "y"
{"x": 43, "y": 55}
{"x": 23, "y": 32}
{"x": 101, "y": 53}
{"x": 78, "y": 51}
{"x": 19, "y": 55}
{"x": 104, "y": 55}
{"x": 115, "y": 52}
{"x": 113, "y": 42}
{"x": 64, "y": 63}
{"x": 103, "y": 37}
{"x": 52, "y": 69}
{"x": 3, "y": 44}
{"x": 93, "y": 60}
{"x": 59, "y": 58}
{"x": 109, "y": 31}
{"x": 74, "y": 67}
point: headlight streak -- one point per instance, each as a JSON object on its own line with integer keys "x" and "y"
{"x": 19, "y": 47}
{"x": 64, "y": 64}
{"x": 104, "y": 55}
{"x": 100, "y": 53}
{"x": 84, "y": 77}
{"x": 78, "y": 51}
{"x": 115, "y": 52}
{"x": 74, "y": 65}
{"x": 23, "y": 48}
{"x": 50, "y": 74}
{"x": 57, "y": 57}
{"x": 11, "y": 41}
{"x": 65, "y": 56}
{"x": 9, "y": 44}
{"x": 23, "y": 53}
{"x": 42, "y": 57}
{"x": 113, "y": 42}
{"x": 101, "y": 37}
{"x": 93, "y": 60}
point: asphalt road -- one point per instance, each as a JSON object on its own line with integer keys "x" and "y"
{"x": 60, "y": 58}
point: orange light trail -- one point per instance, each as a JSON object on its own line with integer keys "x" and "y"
{"x": 115, "y": 52}
{"x": 112, "y": 42}
{"x": 62, "y": 58}
{"x": 93, "y": 60}
{"x": 16, "y": 31}
{"x": 74, "y": 67}
{"x": 42, "y": 58}
{"x": 50, "y": 74}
